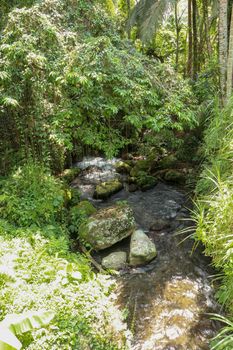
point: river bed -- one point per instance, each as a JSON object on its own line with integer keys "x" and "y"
{"x": 167, "y": 301}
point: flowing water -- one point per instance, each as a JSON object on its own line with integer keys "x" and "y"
{"x": 168, "y": 300}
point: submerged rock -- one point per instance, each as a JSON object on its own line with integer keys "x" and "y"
{"x": 142, "y": 250}
{"x": 160, "y": 224}
{"x": 106, "y": 189}
{"x": 115, "y": 261}
{"x": 108, "y": 226}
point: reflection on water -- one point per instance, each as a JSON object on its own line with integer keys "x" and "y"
{"x": 167, "y": 300}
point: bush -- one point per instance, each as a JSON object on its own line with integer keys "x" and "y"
{"x": 31, "y": 196}
{"x": 40, "y": 273}
{"x": 214, "y": 214}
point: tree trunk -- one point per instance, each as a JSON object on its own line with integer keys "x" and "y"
{"x": 223, "y": 43}
{"x": 195, "y": 40}
{"x": 190, "y": 40}
{"x": 207, "y": 26}
{"x": 128, "y": 14}
{"x": 230, "y": 60}
{"x": 177, "y": 34}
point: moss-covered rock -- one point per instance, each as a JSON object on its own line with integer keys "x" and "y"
{"x": 141, "y": 165}
{"x": 175, "y": 176}
{"x": 68, "y": 175}
{"x": 122, "y": 167}
{"x": 108, "y": 226}
{"x": 106, "y": 189}
{"x": 142, "y": 250}
{"x": 115, "y": 261}
{"x": 168, "y": 162}
{"x": 145, "y": 181}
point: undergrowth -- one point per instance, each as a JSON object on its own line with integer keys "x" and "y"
{"x": 214, "y": 212}
{"x": 39, "y": 271}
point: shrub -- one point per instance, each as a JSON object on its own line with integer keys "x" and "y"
{"x": 31, "y": 196}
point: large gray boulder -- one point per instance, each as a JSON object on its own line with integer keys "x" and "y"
{"x": 108, "y": 226}
{"x": 142, "y": 250}
{"x": 115, "y": 261}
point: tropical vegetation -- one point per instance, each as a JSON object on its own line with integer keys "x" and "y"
{"x": 151, "y": 78}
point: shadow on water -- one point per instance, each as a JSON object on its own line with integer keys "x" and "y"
{"x": 168, "y": 300}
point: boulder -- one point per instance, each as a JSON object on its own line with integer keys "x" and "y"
{"x": 108, "y": 226}
{"x": 142, "y": 250}
{"x": 115, "y": 261}
{"x": 168, "y": 162}
{"x": 145, "y": 181}
{"x": 122, "y": 167}
{"x": 175, "y": 176}
{"x": 106, "y": 189}
{"x": 141, "y": 165}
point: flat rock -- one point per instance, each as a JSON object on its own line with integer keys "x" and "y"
{"x": 115, "y": 261}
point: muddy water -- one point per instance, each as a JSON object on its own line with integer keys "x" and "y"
{"x": 167, "y": 301}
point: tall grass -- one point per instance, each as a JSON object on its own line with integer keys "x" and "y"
{"x": 214, "y": 212}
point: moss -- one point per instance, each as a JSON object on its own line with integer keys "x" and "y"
{"x": 168, "y": 162}
{"x": 107, "y": 227}
{"x": 69, "y": 175}
{"x": 141, "y": 165}
{"x": 123, "y": 167}
{"x": 145, "y": 181}
{"x": 106, "y": 189}
{"x": 174, "y": 176}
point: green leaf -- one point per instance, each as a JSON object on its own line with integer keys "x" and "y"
{"x": 8, "y": 340}
{"x": 19, "y": 324}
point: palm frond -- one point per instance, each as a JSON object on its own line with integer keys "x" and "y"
{"x": 147, "y": 15}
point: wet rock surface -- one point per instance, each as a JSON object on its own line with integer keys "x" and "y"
{"x": 108, "y": 226}
{"x": 169, "y": 298}
{"x": 115, "y": 261}
{"x": 142, "y": 249}
{"x": 105, "y": 189}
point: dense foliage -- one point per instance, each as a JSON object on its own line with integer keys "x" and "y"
{"x": 67, "y": 80}
{"x": 40, "y": 272}
{"x": 214, "y": 210}
{"x": 108, "y": 77}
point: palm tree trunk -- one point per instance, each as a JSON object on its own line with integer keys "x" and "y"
{"x": 230, "y": 60}
{"x": 223, "y": 43}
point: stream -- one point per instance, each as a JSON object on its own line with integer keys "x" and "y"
{"x": 168, "y": 300}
